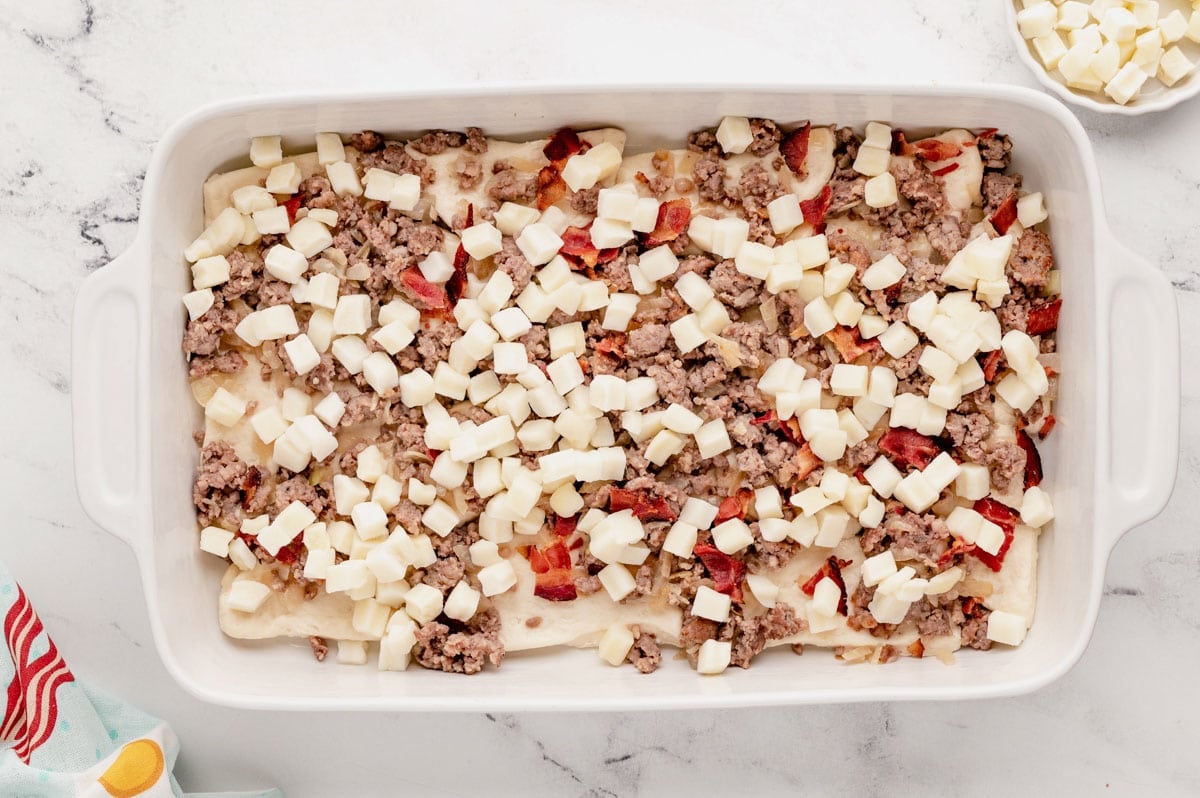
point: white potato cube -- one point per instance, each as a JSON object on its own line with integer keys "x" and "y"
{"x": 247, "y": 595}
{"x": 714, "y": 657}
{"x": 898, "y": 339}
{"x": 883, "y": 273}
{"x": 734, "y": 135}
{"x": 711, "y": 605}
{"x": 880, "y": 191}
{"x": 1006, "y": 627}
{"x": 849, "y": 380}
{"x": 225, "y": 408}
{"x": 872, "y": 161}
{"x": 713, "y": 438}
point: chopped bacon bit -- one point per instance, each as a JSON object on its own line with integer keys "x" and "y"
{"x": 987, "y": 133}
{"x": 611, "y": 346}
{"x": 806, "y": 462}
{"x": 936, "y": 150}
{"x": 1002, "y": 516}
{"x": 956, "y": 551}
{"x": 734, "y": 506}
{"x": 900, "y": 145}
{"x": 1047, "y": 425}
{"x": 1004, "y": 216}
{"x": 250, "y": 486}
{"x": 578, "y": 247}
{"x": 674, "y": 216}
{"x": 550, "y": 187}
{"x": 607, "y": 255}
{"x": 575, "y": 544}
{"x": 972, "y": 607}
{"x": 850, "y": 344}
{"x": 290, "y": 553}
{"x": 945, "y": 170}
{"x": 555, "y": 585}
{"x": 456, "y": 286}
{"x": 1043, "y": 318}
{"x": 765, "y": 418}
{"x": 814, "y": 209}
{"x": 726, "y": 572}
{"x": 831, "y": 568}
{"x": 551, "y": 566}
{"x": 909, "y": 447}
{"x": 1033, "y": 460}
{"x": 562, "y": 145}
{"x": 293, "y": 207}
{"x": 564, "y": 526}
{"x": 432, "y": 296}
{"x": 916, "y": 649}
{"x": 790, "y": 427}
{"x": 794, "y": 149}
{"x": 991, "y": 364}
{"x": 645, "y": 505}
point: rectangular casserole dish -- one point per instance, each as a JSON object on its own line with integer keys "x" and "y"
{"x": 1110, "y": 464}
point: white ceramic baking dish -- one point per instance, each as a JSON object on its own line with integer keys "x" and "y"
{"x": 1111, "y": 462}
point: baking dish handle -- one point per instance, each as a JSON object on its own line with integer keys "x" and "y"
{"x": 1142, "y": 323}
{"x": 107, "y": 362}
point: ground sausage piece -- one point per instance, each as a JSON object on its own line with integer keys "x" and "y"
{"x": 224, "y": 363}
{"x": 917, "y": 537}
{"x": 438, "y": 648}
{"x": 437, "y": 141}
{"x": 585, "y": 201}
{"x": 709, "y": 174}
{"x": 974, "y": 632}
{"x": 734, "y": 288}
{"x": 510, "y": 260}
{"x": 444, "y": 574}
{"x": 645, "y": 654}
{"x": 1032, "y": 259}
{"x": 217, "y": 489}
{"x": 996, "y": 189}
{"x": 996, "y": 152}
{"x": 298, "y": 489}
{"x": 319, "y": 647}
{"x": 509, "y": 185}
{"x": 203, "y": 335}
{"x": 647, "y": 341}
{"x": 367, "y": 141}
{"x": 1006, "y": 461}
{"x": 766, "y": 136}
{"x": 968, "y": 433}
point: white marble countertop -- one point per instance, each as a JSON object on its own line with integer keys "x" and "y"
{"x": 88, "y": 90}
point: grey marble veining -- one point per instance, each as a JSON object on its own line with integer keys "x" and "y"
{"x": 89, "y": 87}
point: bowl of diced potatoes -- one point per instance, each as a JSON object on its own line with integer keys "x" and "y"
{"x": 1112, "y": 56}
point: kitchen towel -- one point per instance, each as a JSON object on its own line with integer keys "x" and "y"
{"x": 61, "y": 738}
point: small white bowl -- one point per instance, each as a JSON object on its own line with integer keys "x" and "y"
{"x": 1154, "y": 96}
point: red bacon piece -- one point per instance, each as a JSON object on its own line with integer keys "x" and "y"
{"x": 674, "y": 216}
{"x": 550, "y": 187}
{"x": 290, "y": 553}
{"x": 250, "y": 486}
{"x": 987, "y": 133}
{"x": 551, "y": 566}
{"x": 900, "y": 145}
{"x": 790, "y": 428}
{"x": 945, "y": 170}
{"x": 1047, "y": 426}
{"x": 814, "y": 209}
{"x": 726, "y": 572}
{"x": 806, "y": 462}
{"x": 1003, "y": 217}
{"x": 850, "y": 344}
{"x": 765, "y": 418}
{"x": 909, "y": 447}
{"x": 957, "y": 549}
{"x": 991, "y": 364}
{"x": 734, "y": 506}
{"x": 564, "y": 526}
{"x": 1043, "y": 318}
{"x": 1033, "y": 460}
{"x": 456, "y": 286}
{"x": 293, "y": 207}
{"x": 831, "y": 568}
{"x": 562, "y": 145}
{"x": 612, "y": 346}
{"x": 645, "y": 505}
{"x": 1003, "y": 517}
{"x": 794, "y": 149}
{"x": 578, "y": 247}
{"x": 432, "y": 296}
{"x": 936, "y": 150}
